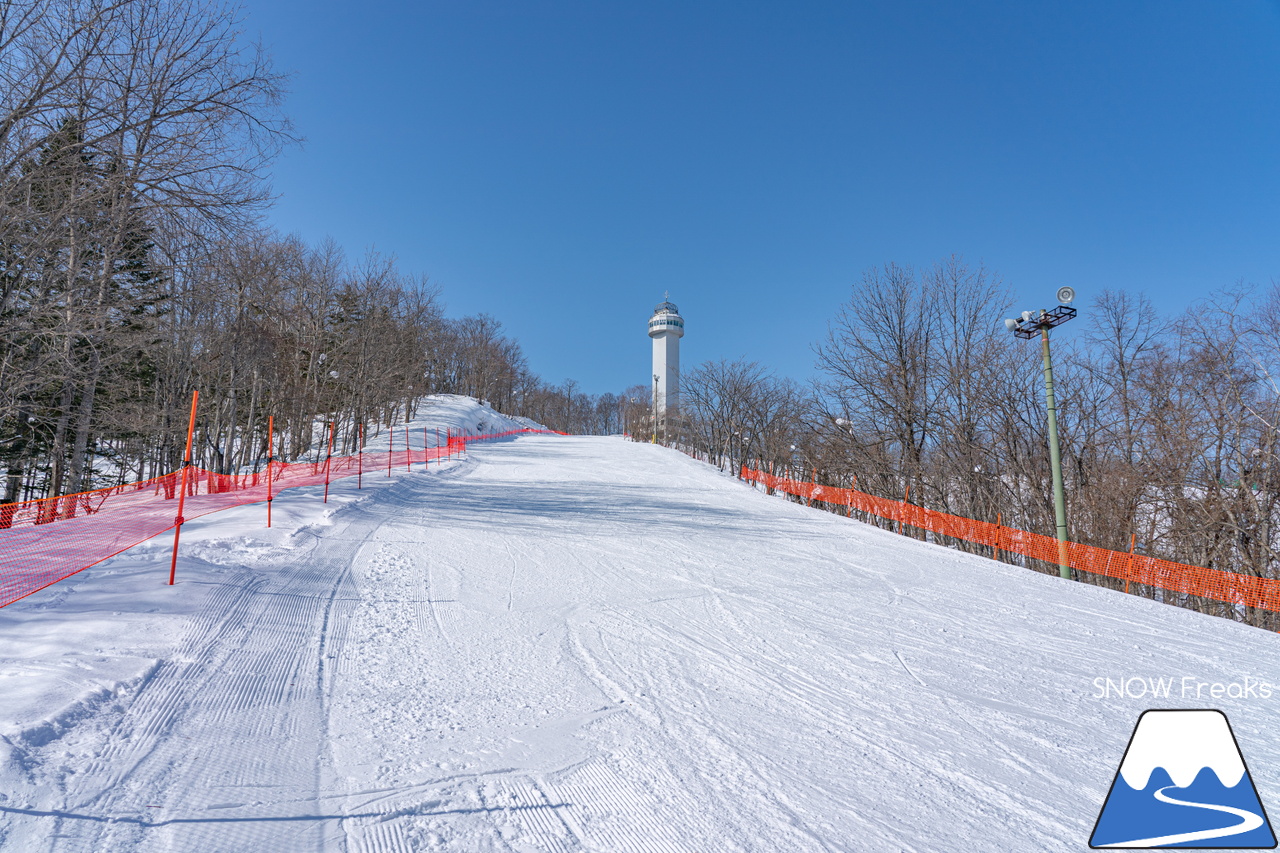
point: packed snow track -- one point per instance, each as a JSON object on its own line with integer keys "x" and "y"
{"x": 573, "y": 644}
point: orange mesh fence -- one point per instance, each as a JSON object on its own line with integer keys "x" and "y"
{"x": 1229, "y": 587}
{"x": 45, "y": 541}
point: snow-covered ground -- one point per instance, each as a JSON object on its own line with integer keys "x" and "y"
{"x": 563, "y": 644}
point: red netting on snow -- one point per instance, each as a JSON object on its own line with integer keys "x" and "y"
{"x": 44, "y": 541}
{"x": 1229, "y": 587}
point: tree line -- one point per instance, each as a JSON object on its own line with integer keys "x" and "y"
{"x": 1168, "y": 424}
{"x": 135, "y": 142}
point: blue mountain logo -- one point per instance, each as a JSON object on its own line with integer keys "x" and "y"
{"x": 1183, "y": 783}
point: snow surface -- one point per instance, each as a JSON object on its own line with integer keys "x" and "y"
{"x": 565, "y": 644}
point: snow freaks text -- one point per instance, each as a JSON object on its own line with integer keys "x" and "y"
{"x": 1179, "y": 687}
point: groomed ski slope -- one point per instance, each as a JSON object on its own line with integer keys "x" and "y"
{"x": 566, "y": 644}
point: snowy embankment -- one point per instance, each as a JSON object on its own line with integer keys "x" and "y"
{"x": 563, "y": 644}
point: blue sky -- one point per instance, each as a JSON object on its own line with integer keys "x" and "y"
{"x": 560, "y": 165}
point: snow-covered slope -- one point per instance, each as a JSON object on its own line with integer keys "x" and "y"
{"x": 564, "y": 644}
{"x": 438, "y": 411}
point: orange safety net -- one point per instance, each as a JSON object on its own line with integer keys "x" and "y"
{"x": 45, "y": 541}
{"x": 1229, "y": 587}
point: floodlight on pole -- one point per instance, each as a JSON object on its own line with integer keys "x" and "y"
{"x": 1031, "y": 323}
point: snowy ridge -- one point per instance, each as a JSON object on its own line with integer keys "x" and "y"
{"x": 443, "y": 412}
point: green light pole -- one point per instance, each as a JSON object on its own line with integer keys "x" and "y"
{"x": 1026, "y": 327}
{"x": 654, "y": 440}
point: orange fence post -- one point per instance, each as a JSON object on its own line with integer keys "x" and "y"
{"x": 391, "y": 448}
{"x": 1128, "y": 566}
{"x": 408, "y": 450}
{"x": 360, "y": 459}
{"x": 271, "y": 457}
{"x": 186, "y": 467}
{"x": 902, "y": 512}
{"x": 999, "y": 528}
{"x": 426, "y": 453}
{"x": 327, "y": 461}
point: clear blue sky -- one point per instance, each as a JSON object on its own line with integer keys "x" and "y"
{"x": 560, "y": 164}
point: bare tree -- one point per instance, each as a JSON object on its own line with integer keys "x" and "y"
{"x": 126, "y": 129}
{"x": 881, "y": 359}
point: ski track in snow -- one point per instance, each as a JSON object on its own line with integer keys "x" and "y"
{"x": 577, "y": 644}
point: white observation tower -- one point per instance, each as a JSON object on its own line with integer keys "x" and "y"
{"x": 666, "y": 327}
